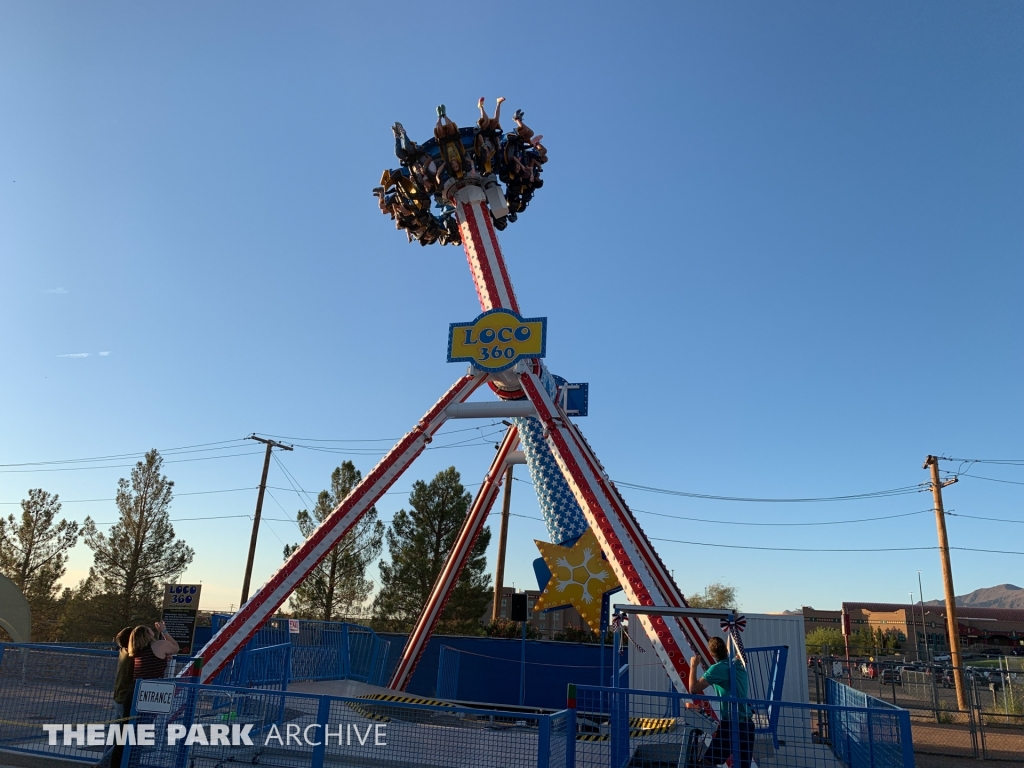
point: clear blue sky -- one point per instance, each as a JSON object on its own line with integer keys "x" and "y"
{"x": 781, "y": 241}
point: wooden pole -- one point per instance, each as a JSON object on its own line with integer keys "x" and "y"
{"x": 499, "y": 570}
{"x": 271, "y": 445}
{"x": 952, "y": 625}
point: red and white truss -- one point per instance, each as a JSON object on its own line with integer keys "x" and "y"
{"x": 643, "y": 576}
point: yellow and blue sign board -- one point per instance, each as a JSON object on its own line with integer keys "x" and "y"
{"x": 497, "y": 339}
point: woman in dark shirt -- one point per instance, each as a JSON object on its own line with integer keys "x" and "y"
{"x": 151, "y": 650}
{"x": 147, "y": 656}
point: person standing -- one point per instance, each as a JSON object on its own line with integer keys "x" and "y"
{"x": 124, "y": 684}
{"x": 717, "y": 675}
{"x": 149, "y": 650}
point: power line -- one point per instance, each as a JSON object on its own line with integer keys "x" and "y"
{"x": 191, "y": 493}
{"x": 369, "y": 440}
{"x": 1009, "y": 462}
{"x": 182, "y": 449}
{"x": 851, "y": 497}
{"x": 990, "y": 479}
{"x": 822, "y": 549}
{"x": 993, "y": 519}
{"x": 820, "y": 522}
{"x": 122, "y": 466}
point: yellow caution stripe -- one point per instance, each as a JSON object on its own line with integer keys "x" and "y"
{"x": 405, "y": 699}
{"x": 641, "y": 726}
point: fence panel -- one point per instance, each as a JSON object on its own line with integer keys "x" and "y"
{"x": 324, "y": 650}
{"x": 285, "y": 729}
{"x": 992, "y": 726}
{"x": 620, "y": 727}
{"x": 44, "y": 684}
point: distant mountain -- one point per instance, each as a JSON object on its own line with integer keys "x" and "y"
{"x": 1002, "y": 596}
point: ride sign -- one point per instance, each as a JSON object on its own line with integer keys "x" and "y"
{"x": 497, "y": 339}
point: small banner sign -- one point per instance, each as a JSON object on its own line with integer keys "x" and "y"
{"x": 155, "y": 696}
{"x": 497, "y": 339}
{"x": 293, "y": 626}
{"x": 181, "y": 603}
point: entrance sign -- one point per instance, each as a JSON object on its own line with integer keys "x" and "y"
{"x": 155, "y": 696}
{"x": 497, "y": 339}
{"x": 181, "y": 604}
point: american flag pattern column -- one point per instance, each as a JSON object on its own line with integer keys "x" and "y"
{"x": 486, "y": 262}
{"x": 262, "y": 605}
{"x": 672, "y": 644}
{"x": 457, "y": 559}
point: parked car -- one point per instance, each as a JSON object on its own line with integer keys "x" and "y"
{"x": 995, "y": 679}
{"x": 891, "y": 676}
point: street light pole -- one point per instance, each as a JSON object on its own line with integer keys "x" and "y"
{"x": 924, "y": 628}
{"x": 913, "y": 618}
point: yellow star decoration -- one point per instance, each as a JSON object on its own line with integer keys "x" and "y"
{"x": 579, "y": 577}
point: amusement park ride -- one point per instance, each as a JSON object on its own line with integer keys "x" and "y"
{"x": 478, "y": 181}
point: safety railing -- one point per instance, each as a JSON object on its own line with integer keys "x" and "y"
{"x": 42, "y": 684}
{"x": 297, "y": 730}
{"x": 503, "y": 675}
{"x": 323, "y": 650}
{"x": 988, "y": 723}
{"x": 618, "y": 727}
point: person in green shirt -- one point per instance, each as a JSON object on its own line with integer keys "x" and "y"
{"x": 717, "y": 675}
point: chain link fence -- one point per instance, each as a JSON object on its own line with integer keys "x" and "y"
{"x": 295, "y": 730}
{"x": 646, "y": 729}
{"x": 990, "y": 726}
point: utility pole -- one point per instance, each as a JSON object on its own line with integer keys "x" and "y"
{"x": 953, "y": 627}
{"x": 271, "y": 445}
{"x": 499, "y": 570}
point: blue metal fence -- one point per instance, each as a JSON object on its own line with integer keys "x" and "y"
{"x": 324, "y": 650}
{"x": 488, "y": 670}
{"x": 619, "y": 727}
{"x": 860, "y": 737}
{"x": 288, "y": 730}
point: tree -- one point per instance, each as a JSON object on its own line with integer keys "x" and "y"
{"x": 419, "y": 542}
{"x": 34, "y": 554}
{"x": 715, "y": 595}
{"x": 141, "y": 552}
{"x": 822, "y": 638}
{"x": 338, "y": 586}
{"x": 510, "y": 629}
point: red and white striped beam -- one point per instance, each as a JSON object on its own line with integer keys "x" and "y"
{"x": 262, "y": 605}
{"x": 671, "y": 643}
{"x": 486, "y": 262}
{"x": 673, "y": 596}
{"x": 446, "y": 581}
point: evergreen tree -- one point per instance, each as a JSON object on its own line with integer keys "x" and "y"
{"x": 338, "y": 587}
{"x": 141, "y": 552}
{"x": 34, "y": 554}
{"x": 419, "y": 542}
